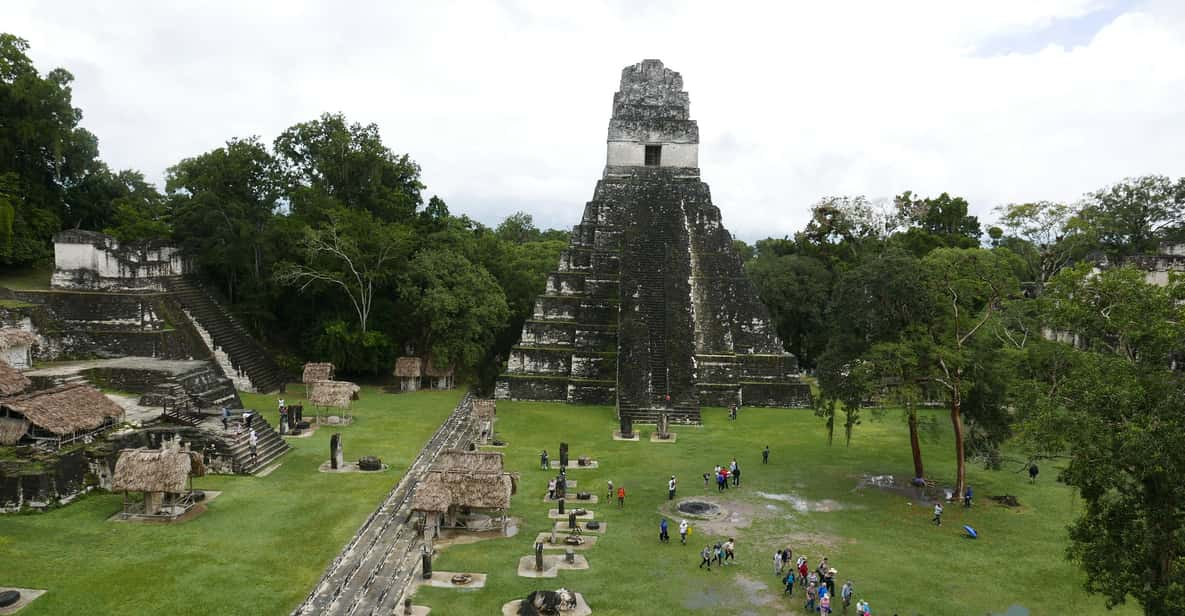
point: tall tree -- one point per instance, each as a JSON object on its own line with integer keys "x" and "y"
{"x": 1113, "y": 404}
{"x": 967, "y": 288}
{"x": 352, "y": 253}
{"x": 1047, "y": 235}
{"x": 45, "y": 155}
{"x": 1133, "y": 216}
{"x": 330, "y": 163}
{"x": 222, "y": 202}
{"x": 458, "y": 305}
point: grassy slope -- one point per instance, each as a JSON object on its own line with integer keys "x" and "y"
{"x": 899, "y": 562}
{"x": 258, "y": 550}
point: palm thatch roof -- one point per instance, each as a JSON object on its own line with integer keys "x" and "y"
{"x": 475, "y": 490}
{"x": 10, "y": 337}
{"x": 408, "y": 367}
{"x": 314, "y": 372}
{"x": 484, "y": 409}
{"x": 455, "y": 460}
{"x": 12, "y": 429}
{"x": 336, "y": 394}
{"x": 156, "y": 470}
{"x": 12, "y": 382}
{"x": 431, "y": 370}
{"x": 62, "y": 410}
{"x": 431, "y": 496}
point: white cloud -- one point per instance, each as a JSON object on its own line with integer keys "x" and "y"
{"x": 505, "y": 105}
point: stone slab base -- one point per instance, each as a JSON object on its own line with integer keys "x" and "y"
{"x": 440, "y": 579}
{"x": 544, "y": 537}
{"x": 618, "y": 437}
{"x": 195, "y": 511}
{"x": 269, "y": 470}
{"x": 28, "y": 595}
{"x": 552, "y": 565}
{"x": 582, "y": 609}
{"x": 556, "y": 515}
{"x": 672, "y": 438}
{"x": 563, "y": 527}
{"x": 571, "y": 500}
{"x": 350, "y": 467}
{"x": 306, "y": 433}
{"x": 416, "y": 610}
{"x": 572, "y": 465}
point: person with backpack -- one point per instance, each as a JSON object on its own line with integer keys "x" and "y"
{"x": 812, "y": 593}
{"x": 683, "y": 530}
{"x": 802, "y": 569}
{"x": 789, "y": 581}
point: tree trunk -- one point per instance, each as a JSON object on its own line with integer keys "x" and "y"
{"x": 914, "y": 444}
{"x": 956, "y": 420}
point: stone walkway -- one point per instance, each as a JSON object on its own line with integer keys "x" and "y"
{"x": 377, "y": 567}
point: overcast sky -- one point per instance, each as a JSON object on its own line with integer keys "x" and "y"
{"x": 505, "y": 105}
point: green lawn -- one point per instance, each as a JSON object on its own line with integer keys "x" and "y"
{"x": 258, "y": 549}
{"x": 898, "y": 561}
{"x": 265, "y": 541}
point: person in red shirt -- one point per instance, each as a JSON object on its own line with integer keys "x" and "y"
{"x": 621, "y": 497}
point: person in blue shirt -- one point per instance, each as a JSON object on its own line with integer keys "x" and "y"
{"x": 662, "y": 532}
{"x": 967, "y": 497}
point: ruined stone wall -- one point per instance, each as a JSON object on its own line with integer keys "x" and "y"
{"x": 87, "y": 260}
{"x": 85, "y": 325}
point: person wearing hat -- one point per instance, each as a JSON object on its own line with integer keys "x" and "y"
{"x": 829, "y": 580}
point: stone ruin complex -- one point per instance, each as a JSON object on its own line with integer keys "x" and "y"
{"x": 129, "y": 318}
{"x": 650, "y": 307}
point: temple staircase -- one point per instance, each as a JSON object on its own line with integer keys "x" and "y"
{"x": 238, "y": 445}
{"x": 245, "y": 353}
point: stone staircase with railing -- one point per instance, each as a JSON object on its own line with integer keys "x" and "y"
{"x": 376, "y": 568}
{"x": 227, "y": 334}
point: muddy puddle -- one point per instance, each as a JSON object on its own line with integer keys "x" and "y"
{"x": 804, "y": 505}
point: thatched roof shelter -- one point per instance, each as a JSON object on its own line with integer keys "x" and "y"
{"x": 12, "y": 382}
{"x": 336, "y": 394}
{"x": 475, "y": 490}
{"x": 484, "y": 409}
{"x": 314, "y": 372}
{"x": 156, "y": 470}
{"x": 12, "y": 429}
{"x": 431, "y": 370}
{"x": 64, "y": 410}
{"x": 10, "y": 337}
{"x": 455, "y": 460}
{"x": 408, "y": 367}
{"x": 431, "y": 496}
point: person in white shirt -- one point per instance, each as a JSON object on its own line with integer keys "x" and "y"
{"x": 671, "y": 488}
{"x": 254, "y": 442}
{"x": 937, "y": 514}
{"x": 683, "y": 532}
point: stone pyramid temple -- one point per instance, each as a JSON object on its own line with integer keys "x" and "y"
{"x": 650, "y": 307}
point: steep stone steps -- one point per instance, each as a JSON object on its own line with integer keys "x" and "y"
{"x": 245, "y": 353}
{"x": 271, "y": 446}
